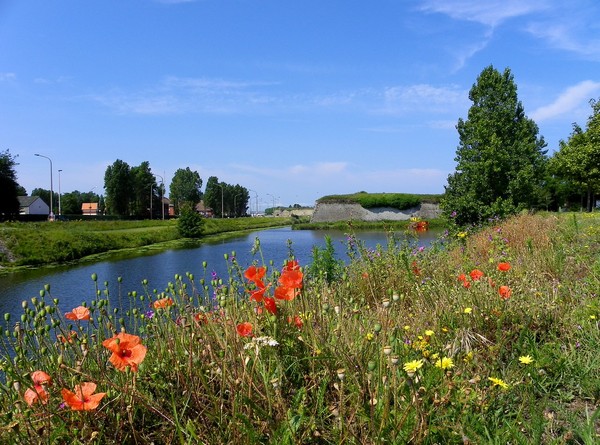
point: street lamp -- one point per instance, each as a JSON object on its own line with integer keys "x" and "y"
{"x": 256, "y": 196}
{"x": 234, "y": 207}
{"x": 273, "y": 212}
{"x": 51, "y": 215}
{"x": 162, "y": 204}
{"x": 59, "y": 212}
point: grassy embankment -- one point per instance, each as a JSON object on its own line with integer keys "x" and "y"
{"x": 400, "y": 201}
{"x": 33, "y": 244}
{"x": 397, "y": 347}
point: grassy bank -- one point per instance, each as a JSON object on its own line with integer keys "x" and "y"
{"x": 492, "y": 339}
{"x": 347, "y": 226}
{"x": 33, "y": 244}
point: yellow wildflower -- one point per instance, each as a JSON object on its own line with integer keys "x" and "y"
{"x": 429, "y": 332}
{"x": 526, "y": 359}
{"x": 414, "y": 366}
{"x": 468, "y": 310}
{"x": 461, "y": 234}
{"x": 444, "y": 363}
{"x": 498, "y": 382}
{"x": 370, "y": 336}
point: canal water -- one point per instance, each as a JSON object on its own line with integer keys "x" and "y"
{"x": 72, "y": 284}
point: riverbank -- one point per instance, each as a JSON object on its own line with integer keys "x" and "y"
{"x": 492, "y": 338}
{"x": 40, "y": 244}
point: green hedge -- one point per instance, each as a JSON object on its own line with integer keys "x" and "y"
{"x": 400, "y": 201}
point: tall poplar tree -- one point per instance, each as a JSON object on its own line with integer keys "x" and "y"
{"x": 118, "y": 186}
{"x": 185, "y": 187}
{"x": 500, "y": 158}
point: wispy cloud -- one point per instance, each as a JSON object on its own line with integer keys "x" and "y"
{"x": 490, "y": 12}
{"x": 423, "y": 97}
{"x": 571, "y": 99}
{"x": 573, "y": 37}
{"x": 7, "y": 76}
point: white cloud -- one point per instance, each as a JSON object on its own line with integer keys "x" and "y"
{"x": 489, "y": 12}
{"x": 564, "y": 36}
{"x": 423, "y": 97}
{"x": 572, "y": 98}
{"x": 7, "y": 76}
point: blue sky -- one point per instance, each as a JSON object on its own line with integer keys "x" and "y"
{"x": 291, "y": 99}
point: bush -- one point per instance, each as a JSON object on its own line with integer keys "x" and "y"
{"x": 190, "y": 224}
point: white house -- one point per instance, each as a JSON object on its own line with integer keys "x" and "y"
{"x": 33, "y": 205}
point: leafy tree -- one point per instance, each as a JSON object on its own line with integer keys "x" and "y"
{"x": 212, "y": 195}
{"x": 118, "y": 185}
{"x": 143, "y": 190}
{"x": 190, "y": 223}
{"x": 9, "y": 203}
{"x": 500, "y": 158}
{"x": 185, "y": 187}
{"x": 578, "y": 159}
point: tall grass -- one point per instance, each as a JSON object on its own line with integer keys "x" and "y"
{"x": 396, "y": 350}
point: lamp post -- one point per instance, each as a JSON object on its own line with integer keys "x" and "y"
{"x": 256, "y": 196}
{"x": 162, "y": 204}
{"x": 273, "y": 212}
{"x": 234, "y": 207}
{"x": 59, "y": 210}
{"x": 51, "y": 215}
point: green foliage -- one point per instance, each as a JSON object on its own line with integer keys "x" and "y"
{"x": 185, "y": 188}
{"x": 324, "y": 264}
{"x": 190, "y": 223}
{"x": 9, "y": 204}
{"x": 500, "y": 159}
{"x": 577, "y": 160}
{"x": 118, "y": 186}
{"x": 400, "y": 201}
{"x": 226, "y": 200}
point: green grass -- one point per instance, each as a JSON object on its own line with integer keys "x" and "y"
{"x": 524, "y": 369}
{"x": 400, "y": 201}
{"x": 34, "y": 244}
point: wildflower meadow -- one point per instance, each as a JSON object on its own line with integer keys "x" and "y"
{"x": 491, "y": 335}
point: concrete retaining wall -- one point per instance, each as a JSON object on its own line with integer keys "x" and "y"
{"x": 330, "y": 212}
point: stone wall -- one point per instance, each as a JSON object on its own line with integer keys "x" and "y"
{"x": 331, "y": 212}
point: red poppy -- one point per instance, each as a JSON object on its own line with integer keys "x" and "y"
{"x": 476, "y": 274}
{"x": 255, "y": 274}
{"x": 201, "y": 318}
{"x": 83, "y": 398}
{"x": 285, "y": 293}
{"x": 244, "y": 329}
{"x": 127, "y": 350}
{"x": 291, "y": 265}
{"x": 297, "y": 321}
{"x": 504, "y": 292}
{"x": 62, "y": 338}
{"x": 291, "y": 278}
{"x": 504, "y": 267}
{"x": 258, "y": 294}
{"x": 79, "y": 313}
{"x": 462, "y": 277}
{"x": 466, "y": 284}
{"x": 270, "y": 305}
{"x": 38, "y": 392}
{"x": 163, "y": 303}
{"x": 415, "y": 269}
